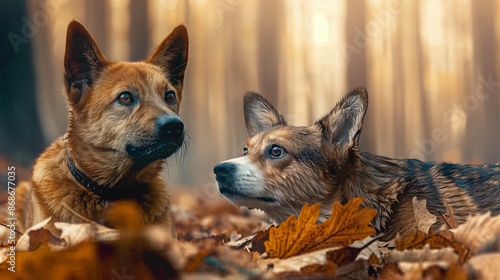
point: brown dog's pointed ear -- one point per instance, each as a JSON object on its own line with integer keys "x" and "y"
{"x": 260, "y": 115}
{"x": 82, "y": 61}
{"x": 342, "y": 126}
{"x": 172, "y": 54}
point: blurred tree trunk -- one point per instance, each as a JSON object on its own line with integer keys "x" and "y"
{"x": 98, "y": 23}
{"x": 269, "y": 45}
{"x": 356, "y": 63}
{"x": 139, "y": 30}
{"x": 482, "y": 143}
{"x": 20, "y": 133}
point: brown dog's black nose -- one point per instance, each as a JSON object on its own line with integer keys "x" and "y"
{"x": 222, "y": 171}
{"x": 169, "y": 126}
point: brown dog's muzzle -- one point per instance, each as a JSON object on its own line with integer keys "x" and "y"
{"x": 168, "y": 138}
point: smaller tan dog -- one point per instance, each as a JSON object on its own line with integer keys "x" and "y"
{"x": 123, "y": 123}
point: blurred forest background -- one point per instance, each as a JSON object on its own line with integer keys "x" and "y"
{"x": 431, "y": 68}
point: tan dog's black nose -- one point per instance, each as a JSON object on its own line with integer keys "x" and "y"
{"x": 170, "y": 127}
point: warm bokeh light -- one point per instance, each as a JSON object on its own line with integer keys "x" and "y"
{"x": 320, "y": 28}
{"x": 428, "y": 65}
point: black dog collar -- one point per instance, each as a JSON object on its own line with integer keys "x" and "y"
{"x": 84, "y": 180}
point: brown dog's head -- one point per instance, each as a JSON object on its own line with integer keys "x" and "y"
{"x": 123, "y": 115}
{"x": 283, "y": 166}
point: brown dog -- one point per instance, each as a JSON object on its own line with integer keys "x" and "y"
{"x": 123, "y": 123}
{"x": 285, "y": 166}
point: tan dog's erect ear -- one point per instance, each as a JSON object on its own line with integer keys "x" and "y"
{"x": 260, "y": 115}
{"x": 172, "y": 54}
{"x": 342, "y": 126}
{"x": 82, "y": 61}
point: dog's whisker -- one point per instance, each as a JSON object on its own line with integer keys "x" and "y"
{"x": 180, "y": 156}
{"x": 167, "y": 167}
{"x": 291, "y": 207}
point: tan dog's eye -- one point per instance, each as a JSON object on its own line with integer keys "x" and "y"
{"x": 276, "y": 152}
{"x": 245, "y": 151}
{"x": 126, "y": 98}
{"x": 170, "y": 97}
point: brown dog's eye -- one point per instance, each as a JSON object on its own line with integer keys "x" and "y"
{"x": 126, "y": 98}
{"x": 276, "y": 152}
{"x": 170, "y": 97}
{"x": 245, "y": 151}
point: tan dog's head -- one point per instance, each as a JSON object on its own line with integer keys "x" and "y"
{"x": 123, "y": 115}
{"x": 283, "y": 166}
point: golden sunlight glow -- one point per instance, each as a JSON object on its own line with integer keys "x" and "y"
{"x": 168, "y": 4}
{"x": 120, "y": 23}
{"x": 420, "y": 61}
{"x": 320, "y": 28}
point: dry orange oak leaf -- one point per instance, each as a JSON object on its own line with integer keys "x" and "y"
{"x": 347, "y": 224}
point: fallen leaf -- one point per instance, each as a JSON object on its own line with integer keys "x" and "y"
{"x": 124, "y": 214}
{"x": 79, "y": 263}
{"x": 323, "y": 262}
{"x": 75, "y": 234}
{"x": 313, "y": 271}
{"x": 71, "y": 235}
{"x": 369, "y": 246}
{"x": 353, "y": 270}
{"x": 241, "y": 242}
{"x": 448, "y": 218}
{"x": 292, "y": 236}
{"x": 296, "y": 263}
{"x": 423, "y": 218}
{"x": 456, "y": 271}
{"x": 430, "y": 270}
{"x": 478, "y": 231}
{"x": 257, "y": 243}
{"x": 391, "y": 271}
{"x": 220, "y": 238}
{"x": 486, "y": 266}
{"x": 446, "y": 254}
{"x": 342, "y": 256}
{"x": 327, "y": 270}
{"x": 346, "y": 224}
{"x": 418, "y": 239}
{"x": 374, "y": 260}
{"x": 195, "y": 262}
{"x": 36, "y": 235}
{"x": 234, "y": 236}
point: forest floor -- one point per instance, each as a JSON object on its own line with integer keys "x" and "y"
{"x": 216, "y": 240}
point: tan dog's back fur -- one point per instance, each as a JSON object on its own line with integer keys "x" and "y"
{"x": 119, "y": 116}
